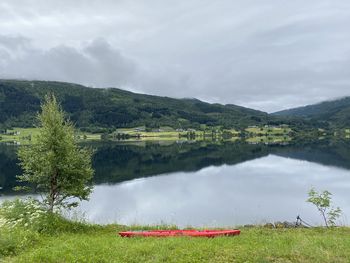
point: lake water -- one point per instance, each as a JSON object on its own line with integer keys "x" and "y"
{"x": 207, "y": 184}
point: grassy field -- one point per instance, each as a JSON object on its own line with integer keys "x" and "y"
{"x": 28, "y": 135}
{"x": 268, "y": 130}
{"x": 133, "y": 132}
{"x": 162, "y": 134}
{"x": 269, "y": 139}
{"x": 262, "y": 135}
{"x": 20, "y": 135}
{"x": 28, "y": 233}
{"x": 253, "y": 245}
{"x": 169, "y": 134}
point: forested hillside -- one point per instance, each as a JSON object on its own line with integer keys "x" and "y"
{"x": 93, "y": 109}
{"x": 336, "y": 112}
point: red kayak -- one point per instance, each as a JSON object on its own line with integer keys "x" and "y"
{"x": 177, "y": 233}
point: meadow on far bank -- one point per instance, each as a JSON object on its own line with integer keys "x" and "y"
{"x": 252, "y": 134}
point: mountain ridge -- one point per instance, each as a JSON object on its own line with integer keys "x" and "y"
{"x": 336, "y": 112}
{"x": 112, "y": 107}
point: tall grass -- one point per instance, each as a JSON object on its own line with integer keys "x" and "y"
{"x": 60, "y": 240}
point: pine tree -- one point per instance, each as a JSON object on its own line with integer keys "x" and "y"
{"x": 55, "y": 164}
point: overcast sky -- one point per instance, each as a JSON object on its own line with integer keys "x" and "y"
{"x": 264, "y": 54}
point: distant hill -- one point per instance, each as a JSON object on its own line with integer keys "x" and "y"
{"x": 335, "y": 112}
{"x": 93, "y": 108}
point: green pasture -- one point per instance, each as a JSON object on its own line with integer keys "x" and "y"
{"x": 268, "y": 130}
{"x": 28, "y": 136}
{"x": 269, "y": 139}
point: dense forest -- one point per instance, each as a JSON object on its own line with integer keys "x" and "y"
{"x": 103, "y": 110}
{"x": 95, "y": 109}
{"x": 336, "y": 113}
{"x": 92, "y": 108}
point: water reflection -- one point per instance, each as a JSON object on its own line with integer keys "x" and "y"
{"x": 263, "y": 190}
{"x": 203, "y": 184}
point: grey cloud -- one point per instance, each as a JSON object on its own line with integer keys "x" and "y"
{"x": 268, "y": 55}
{"x": 97, "y": 63}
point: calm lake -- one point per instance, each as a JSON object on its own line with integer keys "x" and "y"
{"x": 207, "y": 184}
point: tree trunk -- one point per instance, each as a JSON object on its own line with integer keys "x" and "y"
{"x": 53, "y": 191}
{"x": 324, "y": 217}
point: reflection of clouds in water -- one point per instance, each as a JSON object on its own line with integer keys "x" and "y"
{"x": 266, "y": 189}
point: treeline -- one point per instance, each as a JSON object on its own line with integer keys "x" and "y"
{"x": 329, "y": 114}
{"x": 103, "y": 110}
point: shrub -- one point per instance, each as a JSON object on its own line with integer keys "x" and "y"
{"x": 24, "y": 223}
{"x": 323, "y": 202}
{"x": 29, "y": 214}
{"x": 15, "y": 240}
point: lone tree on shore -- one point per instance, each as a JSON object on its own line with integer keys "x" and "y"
{"x": 55, "y": 165}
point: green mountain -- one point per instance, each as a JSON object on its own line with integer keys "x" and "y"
{"x": 95, "y": 109}
{"x": 336, "y": 112}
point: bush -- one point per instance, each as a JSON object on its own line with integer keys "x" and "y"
{"x": 15, "y": 240}
{"x": 23, "y": 223}
{"x": 29, "y": 214}
{"x": 323, "y": 202}
{"x": 21, "y": 213}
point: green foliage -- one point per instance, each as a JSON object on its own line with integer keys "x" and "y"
{"x": 55, "y": 164}
{"x": 253, "y": 245}
{"x": 27, "y": 213}
{"x": 62, "y": 240}
{"x": 103, "y": 110}
{"x": 31, "y": 215}
{"x": 16, "y": 240}
{"x": 23, "y": 223}
{"x": 335, "y": 113}
{"x": 323, "y": 202}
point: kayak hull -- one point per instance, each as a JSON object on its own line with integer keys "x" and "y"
{"x": 179, "y": 233}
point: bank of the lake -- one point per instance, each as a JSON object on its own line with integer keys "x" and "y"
{"x": 102, "y": 244}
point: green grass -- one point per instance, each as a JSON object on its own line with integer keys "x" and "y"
{"x": 168, "y": 134}
{"x": 269, "y": 139}
{"x": 23, "y": 136}
{"x": 253, "y": 245}
{"x": 29, "y": 234}
{"x": 149, "y": 134}
{"x": 28, "y": 135}
{"x": 269, "y": 131}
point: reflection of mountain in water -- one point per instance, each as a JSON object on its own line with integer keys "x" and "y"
{"x": 322, "y": 152}
{"x": 8, "y": 167}
{"x": 119, "y": 162}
